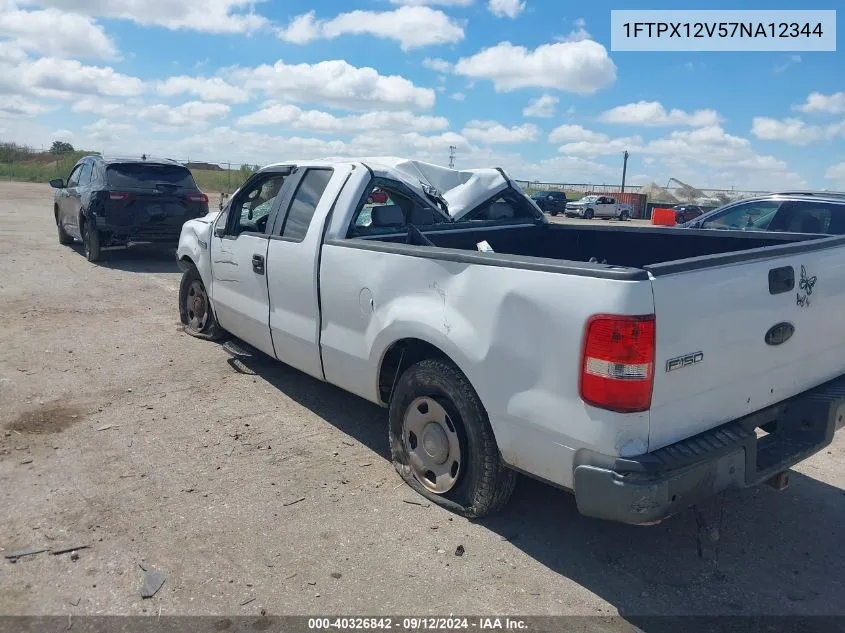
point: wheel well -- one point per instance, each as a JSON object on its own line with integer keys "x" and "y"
{"x": 185, "y": 262}
{"x": 399, "y": 356}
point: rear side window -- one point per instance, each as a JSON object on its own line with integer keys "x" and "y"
{"x": 807, "y": 217}
{"x": 85, "y": 175}
{"x": 305, "y": 202}
{"x": 134, "y": 175}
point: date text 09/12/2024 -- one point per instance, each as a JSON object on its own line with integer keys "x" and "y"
{"x": 418, "y": 623}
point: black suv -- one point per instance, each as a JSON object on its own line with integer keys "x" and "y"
{"x": 551, "y": 202}
{"x": 114, "y": 203}
{"x": 784, "y": 212}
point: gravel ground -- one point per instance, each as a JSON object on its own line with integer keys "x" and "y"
{"x": 273, "y": 491}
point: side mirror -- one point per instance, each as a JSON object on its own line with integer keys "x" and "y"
{"x": 220, "y": 230}
{"x": 57, "y": 183}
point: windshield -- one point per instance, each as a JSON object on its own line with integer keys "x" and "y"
{"x": 131, "y": 175}
{"x": 589, "y": 199}
{"x": 540, "y": 194}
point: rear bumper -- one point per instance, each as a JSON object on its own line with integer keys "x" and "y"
{"x": 140, "y": 233}
{"x": 654, "y": 486}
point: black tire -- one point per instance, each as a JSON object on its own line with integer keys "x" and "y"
{"x": 204, "y": 326}
{"x": 484, "y": 484}
{"x": 588, "y": 214}
{"x": 90, "y": 242}
{"x": 553, "y": 212}
{"x": 64, "y": 238}
{"x": 623, "y": 215}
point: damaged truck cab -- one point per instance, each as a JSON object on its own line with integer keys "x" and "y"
{"x": 499, "y": 345}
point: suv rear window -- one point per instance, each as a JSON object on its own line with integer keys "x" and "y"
{"x": 145, "y": 175}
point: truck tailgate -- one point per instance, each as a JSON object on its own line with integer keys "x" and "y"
{"x": 737, "y": 336}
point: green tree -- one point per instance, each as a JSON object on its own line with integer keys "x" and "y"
{"x": 61, "y": 147}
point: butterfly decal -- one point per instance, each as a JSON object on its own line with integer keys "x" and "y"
{"x": 806, "y": 284}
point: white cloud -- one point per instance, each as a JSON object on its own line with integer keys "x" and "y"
{"x": 819, "y": 103}
{"x": 653, "y": 114}
{"x": 56, "y": 33}
{"x": 578, "y": 34}
{"x": 211, "y": 16}
{"x": 575, "y": 134}
{"x": 411, "y": 26}
{"x": 443, "y": 3}
{"x": 64, "y": 78}
{"x": 186, "y": 114}
{"x": 104, "y": 131}
{"x": 495, "y": 132}
{"x": 505, "y": 8}
{"x": 15, "y": 105}
{"x": 206, "y": 88}
{"x": 543, "y": 107}
{"x": 603, "y": 147}
{"x": 440, "y": 65}
{"x": 580, "y": 67}
{"x": 105, "y": 109}
{"x": 458, "y": 96}
{"x": 790, "y": 61}
{"x": 836, "y": 173}
{"x": 336, "y": 83}
{"x": 291, "y": 117}
{"x": 792, "y": 131}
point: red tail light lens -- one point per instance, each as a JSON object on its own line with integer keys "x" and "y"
{"x": 118, "y": 195}
{"x": 197, "y": 197}
{"x": 617, "y": 367}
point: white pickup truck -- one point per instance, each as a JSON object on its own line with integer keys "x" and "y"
{"x": 690, "y": 363}
{"x": 590, "y": 207}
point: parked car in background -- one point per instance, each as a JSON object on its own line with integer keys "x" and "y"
{"x": 590, "y": 207}
{"x": 551, "y": 202}
{"x": 788, "y": 212}
{"x": 110, "y": 203}
{"x": 686, "y": 212}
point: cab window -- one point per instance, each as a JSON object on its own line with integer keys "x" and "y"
{"x": 508, "y": 206}
{"x": 752, "y": 216}
{"x": 251, "y": 208}
{"x": 389, "y": 207}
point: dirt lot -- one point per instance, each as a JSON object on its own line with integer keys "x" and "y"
{"x": 119, "y": 432}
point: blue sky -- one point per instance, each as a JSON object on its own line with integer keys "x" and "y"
{"x": 528, "y": 85}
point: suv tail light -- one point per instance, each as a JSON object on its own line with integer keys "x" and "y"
{"x": 617, "y": 366}
{"x": 118, "y": 195}
{"x": 197, "y": 197}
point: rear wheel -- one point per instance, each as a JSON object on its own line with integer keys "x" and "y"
{"x": 195, "y": 309}
{"x": 588, "y": 214}
{"x": 553, "y": 212}
{"x": 623, "y": 215}
{"x": 442, "y": 444}
{"x": 64, "y": 238}
{"x": 90, "y": 242}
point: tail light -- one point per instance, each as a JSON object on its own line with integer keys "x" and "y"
{"x": 118, "y": 195}
{"x": 617, "y": 367}
{"x": 197, "y": 197}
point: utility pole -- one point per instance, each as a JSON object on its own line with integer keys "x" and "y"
{"x": 624, "y": 168}
{"x": 452, "y": 149}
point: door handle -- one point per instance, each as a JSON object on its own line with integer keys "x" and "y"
{"x": 781, "y": 280}
{"x": 258, "y": 264}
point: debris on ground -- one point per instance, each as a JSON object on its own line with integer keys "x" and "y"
{"x": 459, "y": 551}
{"x": 290, "y": 503}
{"x": 28, "y": 460}
{"x": 65, "y": 550}
{"x": 107, "y": 427}
{"x": 28, "y": 551}
{"x": 414, "y": 502}
{"x": 247, "y": 601}
{"x": 153, "y": 580}
{"x": 75, "y": 603}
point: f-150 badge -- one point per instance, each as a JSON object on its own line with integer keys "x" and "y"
{"x": 684, "y": 361}
{"x": 806, "y": 284}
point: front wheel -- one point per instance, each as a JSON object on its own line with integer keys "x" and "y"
{"x": 588, "y": 214}
{"x": 195, "y": 310}
{"x": 553, "y": 212}
{"x": 64, "y": 238}
{"x": 442, "y": 444}
{"x": 623, "y": 215}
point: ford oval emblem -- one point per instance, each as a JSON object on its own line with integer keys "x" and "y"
{"x": 779, "y": 333}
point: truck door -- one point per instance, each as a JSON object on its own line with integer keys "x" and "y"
{"x": 294, "y": 262}
{"x": 238, "y": 260}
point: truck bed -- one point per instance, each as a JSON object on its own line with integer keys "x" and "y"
{"x": 619, "y": 245}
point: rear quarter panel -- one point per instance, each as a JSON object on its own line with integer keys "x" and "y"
{"x": 516, "y": 334}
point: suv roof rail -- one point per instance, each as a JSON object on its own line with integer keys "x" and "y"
{"x": 818, "y": 192}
